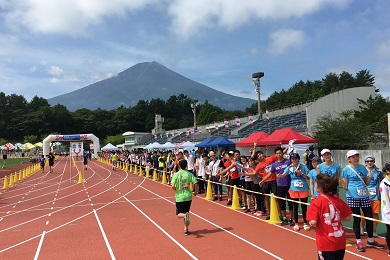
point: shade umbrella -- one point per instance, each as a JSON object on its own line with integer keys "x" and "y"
{"x": 28, "y": 146}
{"x": 19, "y": 146}
{"x": 9, "y": 146}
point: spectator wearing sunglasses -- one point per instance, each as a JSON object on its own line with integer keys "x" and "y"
{"x": 373, "y": 190}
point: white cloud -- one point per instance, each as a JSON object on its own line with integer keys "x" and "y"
{"x": 68, "y": 17}
{"x": 54, "y": 70}
{"x": 32, "y": 69}
{"x": 75, "y": 17}
{"x": 190, "y": 17}
{"x": 285, "y": 39}
{"x": 55, "y": 80}
{"x": 382, "y": 79}
{"x": 383, "y": 50}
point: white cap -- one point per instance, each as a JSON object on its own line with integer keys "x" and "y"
{"x": 323, "y": 151}
{"x": 351, "y": 153}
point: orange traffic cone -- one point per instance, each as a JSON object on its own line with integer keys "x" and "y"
{"x": 80, "y": 178}
{"x": 235, "y": 200}
{"x": 5, "y": 186}
{"x": 155, "y": 175}
{"x": 209, "y": 192}
{"x": 164, "y": 178}
{"x": 274, "y": 215}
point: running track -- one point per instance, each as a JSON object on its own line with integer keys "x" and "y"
{"x": 119, "y": 215}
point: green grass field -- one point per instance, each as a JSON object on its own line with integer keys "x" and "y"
{"x": 12, "y": 162}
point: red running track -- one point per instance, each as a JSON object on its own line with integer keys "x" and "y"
{"x": 119, "y": 215}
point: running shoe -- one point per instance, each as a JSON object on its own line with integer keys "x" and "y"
{"x": 186, "y": 232}
{"x": 229, "y": 203}
{"x": 247, "y": 210}
{"x": 296, "y": 227}
{"x": 220, "y": 198}
{"x": 375, "y": 245}
{"x": 284, "y": 222}
{"x": 290, "y": 222}
{"x": 306, "y": 227}
{"x": 187, "y": 219}
{"x": 268, "y": 217}
{"x": 360, "y": 247}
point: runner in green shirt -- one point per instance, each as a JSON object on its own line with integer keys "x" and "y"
{"x": 181, "y": 185}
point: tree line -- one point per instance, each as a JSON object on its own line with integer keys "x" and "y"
{"x": 23, "y": 121}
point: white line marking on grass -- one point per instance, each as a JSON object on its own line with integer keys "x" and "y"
{"x": 212, "y": 223}
{"x": 39, "y": 245}
{"x": 104, "y": 235}
{"x": 159, "y": 227}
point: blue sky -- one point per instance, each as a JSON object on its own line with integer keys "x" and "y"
{"x": 48, "y": 48}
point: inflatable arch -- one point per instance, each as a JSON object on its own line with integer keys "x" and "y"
{"x": 70, "y": 138}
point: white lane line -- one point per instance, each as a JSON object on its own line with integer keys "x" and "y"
{"x": 104, "y": 235}
{"x": 69, "y": 222}
{"x": 212, "y": 223}
{"x": 1, "y": 219}
{"x": 39, "y": 246}
{"x": 166, "y": 233}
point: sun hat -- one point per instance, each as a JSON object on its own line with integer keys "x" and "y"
{"x": 352, "y": 153}
{"x": 369, "y": 156}
{"x": 324, "y": 151}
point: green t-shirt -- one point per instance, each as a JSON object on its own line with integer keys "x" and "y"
{"x": 180, "y": 179}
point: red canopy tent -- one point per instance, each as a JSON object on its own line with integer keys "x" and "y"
{"x": 284, "y": 135}
{"x": 252, "y": 138}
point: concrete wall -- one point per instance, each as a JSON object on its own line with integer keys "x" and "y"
{"x": 336, "y": 103}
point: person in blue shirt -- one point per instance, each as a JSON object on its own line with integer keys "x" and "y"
{"x": 315, "y": 161}
{"x": 42, "y": 162}
{"x": 373, "y": 190}
{"x": 328, "y": 167}
{"x": 299, "y": 189}
{"x": 325, "y": 166}
{"x": 354, "y": 179}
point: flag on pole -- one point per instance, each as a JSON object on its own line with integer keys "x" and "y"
{"x": 226, "y": 123}
{"x": 250, "y": 117}
{"x": 238, "y": 121}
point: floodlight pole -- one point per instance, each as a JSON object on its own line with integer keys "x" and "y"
{"x": 194, "y": 102}
{"x": 256, "y": 82}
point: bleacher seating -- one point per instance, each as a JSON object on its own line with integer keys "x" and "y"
{"x": 296, "y": 121}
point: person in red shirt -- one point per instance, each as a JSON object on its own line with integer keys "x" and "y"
{"x": 231, "y": 173}
{"x": 263, "y": 170}
{"x": 326, "y": 213}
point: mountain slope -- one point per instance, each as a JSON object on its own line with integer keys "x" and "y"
{"x": 145, "y": 81}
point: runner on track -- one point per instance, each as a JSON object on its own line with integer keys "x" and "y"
{"x": 181, "y": 185}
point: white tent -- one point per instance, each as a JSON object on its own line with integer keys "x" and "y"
{"x": 168, "y": 145}
{"x": 147, "y": 146}
{"x": 155, "y": 145}
{"x": 109, "y": 147}
{"x": 187, "y": 145}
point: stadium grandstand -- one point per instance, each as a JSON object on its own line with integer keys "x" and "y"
{"x": 300, "y": 117}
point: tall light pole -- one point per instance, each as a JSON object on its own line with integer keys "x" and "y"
{"x": 256, "y": 82}
{"x": 194, "y": 102}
